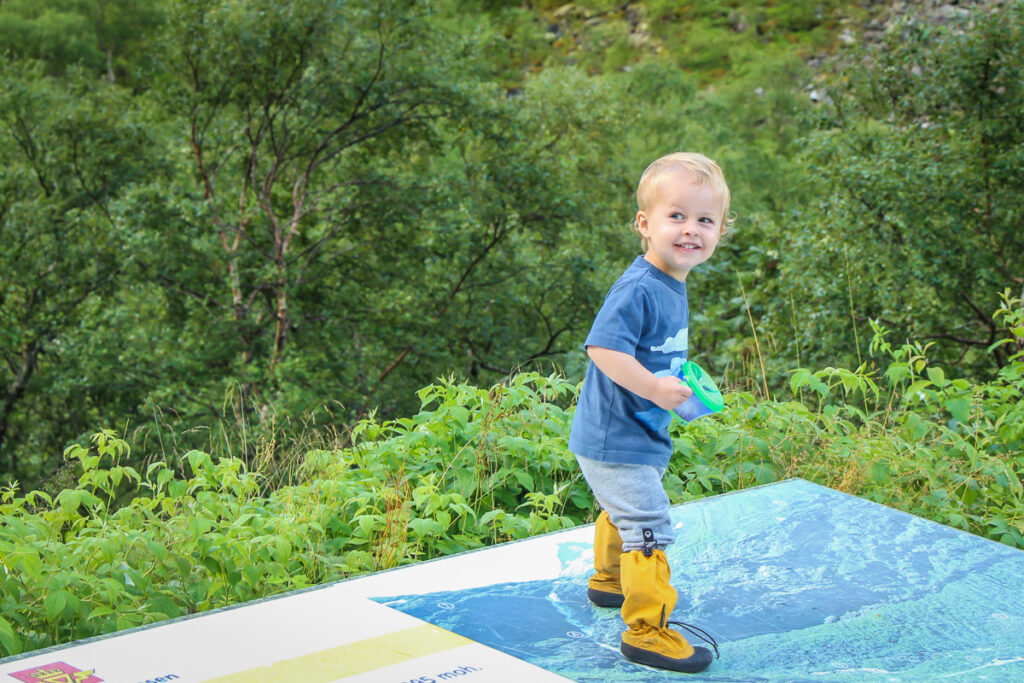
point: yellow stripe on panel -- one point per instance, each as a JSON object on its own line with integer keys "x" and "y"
{"x": 352, "y": 658}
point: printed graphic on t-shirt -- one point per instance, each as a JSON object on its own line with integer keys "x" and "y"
{"x": 677, "y": 343}
{"x": 674, "y": 344}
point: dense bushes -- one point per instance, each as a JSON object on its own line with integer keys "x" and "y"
{"x": 476, "y": 466}
{"x": 125, "y": 548}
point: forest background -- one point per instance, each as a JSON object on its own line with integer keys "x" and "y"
{"x": 295, "y": 290}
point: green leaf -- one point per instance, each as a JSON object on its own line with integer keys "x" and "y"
{"x": 164, "y": 476}
{"x": 163, "y": 605}
{"x": 99, "y": 611}
{"x": 880, "y": 473}
{"x": 366, "y": 524}
{"x": 10, "y": 643}
{"x": 937, "y": 376}
{"x": 801, "y": 377}
{"x": 252, "y": 574}
{"x": 725, "y": 441}
{"x": 490, "y": 516}
{"x": 425, "y": 527}
{"x": 916, "y": 387}
{"x": 283, "y": 549}
{"x": 70, "y": 500}
{"x": 32, "y": 565}
{"x": 54, "y": 604}
{"x": 959, "y": 408}
{"x": 524, "y": 479}
{"x": 159, "y": 550}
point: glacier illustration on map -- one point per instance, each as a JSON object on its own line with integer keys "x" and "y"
{"x": 795, "y": 581}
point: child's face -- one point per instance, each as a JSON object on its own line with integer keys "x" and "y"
{"x": 682, "y": 226}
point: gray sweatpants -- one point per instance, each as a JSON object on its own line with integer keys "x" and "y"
{"x": 634, "y": 498}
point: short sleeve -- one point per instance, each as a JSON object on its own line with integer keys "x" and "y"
{"x": 620, "y": 321}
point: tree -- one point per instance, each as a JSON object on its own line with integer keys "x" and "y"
{"x": 918, "y": 223}
{"x": 363, "y": 198}
{"x": 506, "y": 264}
{"x": 283, "y": 106}
{"x": 67, "y": 152}
{"x": 103, "y": 36}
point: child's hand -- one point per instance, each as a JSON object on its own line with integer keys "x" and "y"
{"x": 670, "y": 391}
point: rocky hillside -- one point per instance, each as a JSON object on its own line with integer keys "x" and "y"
{"x": 633, "y": 30}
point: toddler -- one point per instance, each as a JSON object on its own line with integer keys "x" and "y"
{"x": 638, "y": 340}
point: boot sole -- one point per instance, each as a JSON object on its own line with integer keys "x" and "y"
{"x": 695, "y": 663}
{"x": 604, "y": 598}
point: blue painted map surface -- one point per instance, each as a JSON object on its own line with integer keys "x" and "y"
{"x": 795, "y": 581}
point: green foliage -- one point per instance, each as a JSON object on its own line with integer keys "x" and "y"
{"x": 918, "y": 219}
{"x": 322, "y": 206}
{"x": 101, "y": 36}
{"x": 477, "y": 466}
{"x": 944, "y": 448}
{"x": 126, "y": 547}
{"x": 57, "y": 34}
{"x": 713, "y": 40}
{"x": 494, "y": 458}
{"x": 237, "y": 229}
{"x": 67, "y": 151}
{"x": 395, "y": 217}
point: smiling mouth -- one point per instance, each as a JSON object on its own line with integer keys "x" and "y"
{"x": 687, "y": 247}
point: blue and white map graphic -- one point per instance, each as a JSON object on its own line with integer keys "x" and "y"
{"x": 795, "y": 581}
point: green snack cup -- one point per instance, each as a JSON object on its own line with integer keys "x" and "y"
{"x": 706, "y": 399}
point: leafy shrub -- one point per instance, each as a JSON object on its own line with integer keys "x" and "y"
{"x": 477, "y": 466}
{"x": 913, "y": 438}
{"x": 125, "y": 548}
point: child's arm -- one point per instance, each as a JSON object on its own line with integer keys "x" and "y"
{"x": 626, "y": 371}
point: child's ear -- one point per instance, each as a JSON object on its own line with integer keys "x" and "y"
{"x": 641, "y": 222}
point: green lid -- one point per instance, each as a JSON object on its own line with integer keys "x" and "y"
{"x": 704, "y": 388}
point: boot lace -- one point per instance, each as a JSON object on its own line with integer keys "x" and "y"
{"x": 697, "y": 631}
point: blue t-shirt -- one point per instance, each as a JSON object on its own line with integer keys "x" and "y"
{"x": 645, "y": 315}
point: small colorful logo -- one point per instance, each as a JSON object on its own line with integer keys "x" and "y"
{"x": 58, "y": 672}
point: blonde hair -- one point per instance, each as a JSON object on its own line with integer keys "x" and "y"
{"x": 703, "y": 170}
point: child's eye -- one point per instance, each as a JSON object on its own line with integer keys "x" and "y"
{"x": 676, "y": 216}
{"x": 708, "y": 220}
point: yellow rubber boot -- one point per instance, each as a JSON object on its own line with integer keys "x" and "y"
{"x": 649, "y": 600}
{"x": 604, "y": 588}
